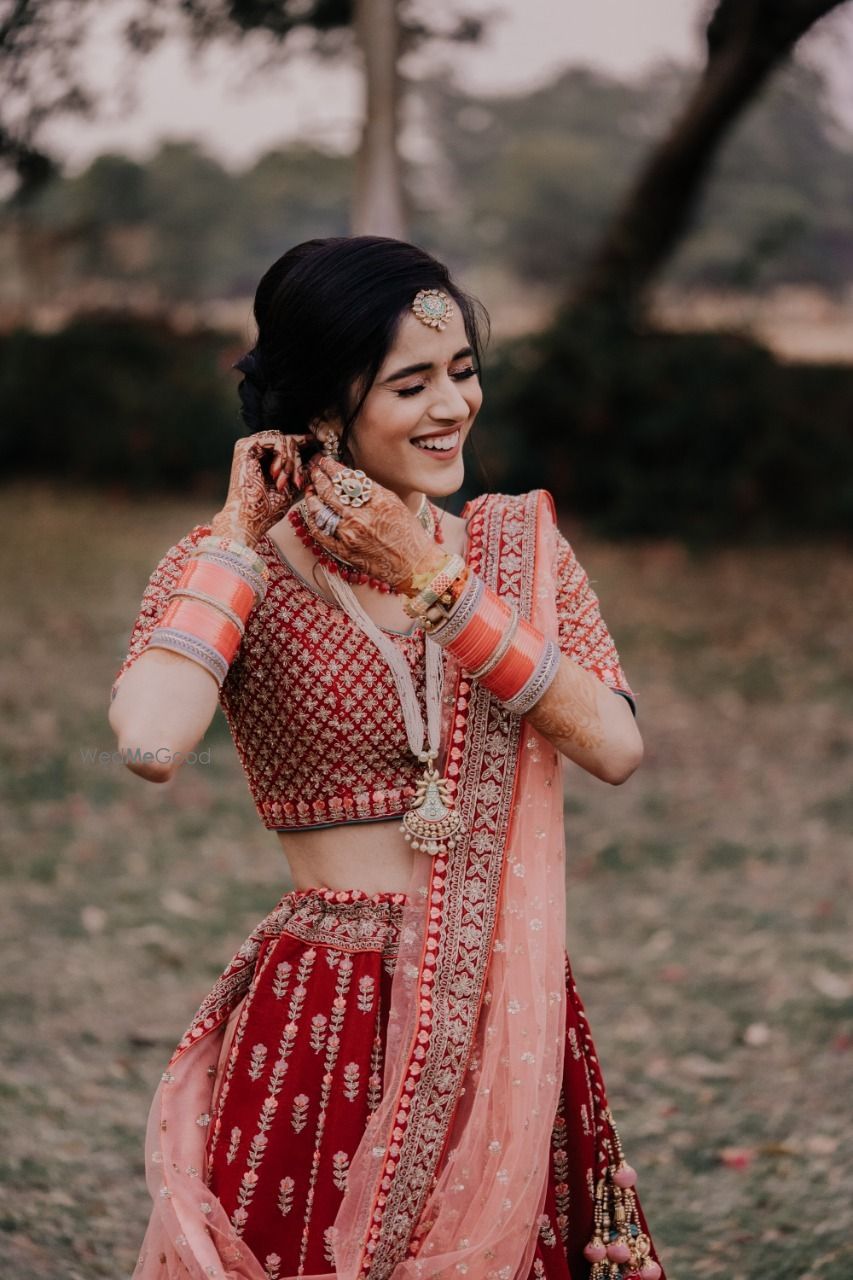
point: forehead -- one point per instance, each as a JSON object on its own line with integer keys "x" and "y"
{"x": 417, "y": 343}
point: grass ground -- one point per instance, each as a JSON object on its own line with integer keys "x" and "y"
{"x": 709, "y": 898}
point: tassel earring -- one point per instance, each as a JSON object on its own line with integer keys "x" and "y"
{"x": 332, "y": 445}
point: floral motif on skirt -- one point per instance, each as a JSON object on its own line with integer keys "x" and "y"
{"x": 302, "y": 1070}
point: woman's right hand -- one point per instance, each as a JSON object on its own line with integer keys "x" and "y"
{"x": 266, "y": 473}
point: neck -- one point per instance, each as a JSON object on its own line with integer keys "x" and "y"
{"x": 413, "y": 500}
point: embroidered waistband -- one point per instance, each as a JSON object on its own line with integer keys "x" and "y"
{"x": 348, "y": 919}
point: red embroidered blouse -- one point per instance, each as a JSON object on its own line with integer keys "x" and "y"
{"x": 311, "y": 704}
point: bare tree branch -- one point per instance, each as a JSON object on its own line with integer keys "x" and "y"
{"x": 746, "y": 40}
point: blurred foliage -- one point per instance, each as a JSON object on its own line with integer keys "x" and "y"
{"x": 702, "y": 436}
{"x": 525, "y": 181}
{"x": 128, "y": 403}
{"x": 705, "y": 437}
{"x": 203, "y": 232}
{"x": 41, "y": 72}
{"x": 535, "y": 178}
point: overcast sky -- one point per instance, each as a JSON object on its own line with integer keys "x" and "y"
{"x": 222, "y": 100}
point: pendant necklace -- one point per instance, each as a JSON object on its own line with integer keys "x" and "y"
{"x": 432, "y": 823}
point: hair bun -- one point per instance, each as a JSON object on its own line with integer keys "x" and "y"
{"x": 251, "y": 390}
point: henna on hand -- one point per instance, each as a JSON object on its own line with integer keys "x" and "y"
{"x": 382, "y": 538}
{"x": 253, "y": 504}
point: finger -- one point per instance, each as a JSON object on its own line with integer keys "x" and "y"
{"x": 292, "y": 461}
{"x": 326, "y": 490}
{"x": 264, "y": 442}
{"x": 329, "y": 466}
{"x": 316, "y": 513}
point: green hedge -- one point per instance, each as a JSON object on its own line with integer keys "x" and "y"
{"x": 702, "y": 436}
{"x": 699, "y": 436}
{"x": 126, "y": 402}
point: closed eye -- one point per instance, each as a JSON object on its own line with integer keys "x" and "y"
{"x": 460, "y": 376}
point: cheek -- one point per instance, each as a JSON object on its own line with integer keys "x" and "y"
{"x": 473, "y": 398}
{"x": 385, "y": 428}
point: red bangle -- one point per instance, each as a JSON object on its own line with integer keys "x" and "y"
{"x": 215, "y": 580}
{"x": 205, "y": 623}
{"x": 518, "y": 663}
{"x": 482, "y": 633}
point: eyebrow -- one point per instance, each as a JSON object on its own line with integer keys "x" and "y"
{"x": 422, "y": 368}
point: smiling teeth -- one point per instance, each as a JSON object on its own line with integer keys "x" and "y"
{"x": 439, "y": 444}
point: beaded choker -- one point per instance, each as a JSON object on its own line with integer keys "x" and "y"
{"x": 334, "y": 564}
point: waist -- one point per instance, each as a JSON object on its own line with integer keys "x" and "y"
{"x": 368, "y": 856}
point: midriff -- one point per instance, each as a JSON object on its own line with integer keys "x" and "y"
{"x": 373, "y": 856}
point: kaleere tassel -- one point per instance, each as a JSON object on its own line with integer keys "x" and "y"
{"x": 619, "y": 1249}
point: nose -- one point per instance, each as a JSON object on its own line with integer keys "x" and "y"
{"x": 449, "y": 404}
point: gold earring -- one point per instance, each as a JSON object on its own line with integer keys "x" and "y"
{"x": 329, "y": 439}
{"x": 331, "y": 445}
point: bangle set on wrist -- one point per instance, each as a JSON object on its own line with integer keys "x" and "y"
{"x": 206, "y": 611}
{"x": 488, "y": 637}
{"x": 206, "y": 614}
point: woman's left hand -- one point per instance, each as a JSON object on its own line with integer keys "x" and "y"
{"x": 382, "y": 538}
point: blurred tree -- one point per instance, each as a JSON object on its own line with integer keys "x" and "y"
{"x": 528, "y": 182}
{"x": 193, "y": 196}
{"x": 381, "y": 30}
{"x": 40, "y": 79}
{"x": 379, "y": 205}
{"x": 746, "y": 41}
{"x": 780, "y": 207}
{"x": 520, "y": 183}
{"x": 285, "y": 197}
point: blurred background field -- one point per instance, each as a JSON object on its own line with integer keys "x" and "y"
{"x": 673, "y": 314}
{"x": 709, "y": 899}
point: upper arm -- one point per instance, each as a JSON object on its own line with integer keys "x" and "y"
{"x": 582, "y": 632}
{"x": 155, "y": 597}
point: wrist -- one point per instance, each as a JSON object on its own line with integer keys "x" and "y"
{"x": 501, "y": 650}
{"x": 424, "y": 569}
{"x": 224, "y": 526}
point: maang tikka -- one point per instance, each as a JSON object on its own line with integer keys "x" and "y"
{"x": 433, "y": 308}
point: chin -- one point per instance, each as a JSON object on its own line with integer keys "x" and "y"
{"x": 437, "y": 480}
{"x": 443, "y": 490}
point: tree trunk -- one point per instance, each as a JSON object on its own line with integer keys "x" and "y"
{"x": 747, "y": 39}
{"x": 378, "y": 199}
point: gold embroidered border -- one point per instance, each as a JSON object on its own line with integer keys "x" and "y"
{"x": 502, "y": 549}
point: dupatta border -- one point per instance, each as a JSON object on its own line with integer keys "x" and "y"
{"x": 464, "y": 893}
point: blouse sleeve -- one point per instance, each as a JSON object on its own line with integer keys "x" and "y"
{"x": 582, "y": 632}
{"x": 155, "y": 597}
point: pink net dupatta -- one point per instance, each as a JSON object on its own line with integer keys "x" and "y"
{"x": 450, "y": 1175}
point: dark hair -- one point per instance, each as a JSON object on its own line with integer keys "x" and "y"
{"x": 327, "y": 314}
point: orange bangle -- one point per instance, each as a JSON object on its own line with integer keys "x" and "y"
{"x": 224, "y": 584}
{"x": 483, "y": 633}
{"x": 518, "y": 664}
{"x": 205, "y": 623}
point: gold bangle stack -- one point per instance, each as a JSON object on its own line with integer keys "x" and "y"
{"x": 442, "y": 587}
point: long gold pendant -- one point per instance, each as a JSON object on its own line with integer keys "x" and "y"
{"x": 433, "y": 822}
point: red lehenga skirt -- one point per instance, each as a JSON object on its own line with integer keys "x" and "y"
{"x": 301, "y": 1069}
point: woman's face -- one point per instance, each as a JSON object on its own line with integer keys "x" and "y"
{"x": 417, "y": 415}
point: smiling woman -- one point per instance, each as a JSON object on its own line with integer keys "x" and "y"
{"x": 394, "y": 1079}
